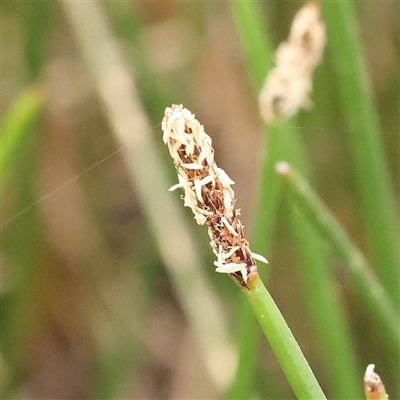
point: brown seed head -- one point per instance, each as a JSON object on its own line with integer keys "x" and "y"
{"x": 208, "y": 192}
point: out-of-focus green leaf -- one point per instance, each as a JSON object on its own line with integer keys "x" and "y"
{"x": 17, "y": 124}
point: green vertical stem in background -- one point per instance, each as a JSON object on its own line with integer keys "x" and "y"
{"x": 283, "y": 343}
{"x": 322, "y": 297}
{"x": 24, "y": 235}
{"x": 324, "y": 301}
{"x": 367, "y": 150}
{"x": 373, "y": 295}
{"x": 259, "y": 54}
{"x": 253, "y": 34}
{"x": 284, "y": 143}
{"x": 25, "y": 247}
{"x": 16, "y": 125}
{"x": 37, "y": 17}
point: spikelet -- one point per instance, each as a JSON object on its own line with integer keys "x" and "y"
{"x": 289, "y": 84}
{"x": 373, "y": 385}
{"x": 208, "y": 192}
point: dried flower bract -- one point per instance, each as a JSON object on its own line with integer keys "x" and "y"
{"x": 288, "y": 85}
{"x": 373, "y": 386}
{"x": 208, "y": 193}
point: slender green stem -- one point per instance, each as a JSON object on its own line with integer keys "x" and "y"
{"x": 324, "y": 301}
{"x": 367, "y": 151}
{"x": 283, "y": 343}
{"x": 16, "y": 125}
{"x": 252, "y": 31}
{"x": 379, "y": 304}
{"x": 322, "y": 297}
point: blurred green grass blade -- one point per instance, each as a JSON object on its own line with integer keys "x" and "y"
{"x": 37, "y": 17}
{"x": 321, "y": 295}
{"x": 253, "y": 34}
{"x": 322, "y": 298}
{"x": 16, "y": 125}
{"x": 367, "y": 151}
{"x": 375, "y": 298}
{"x": 324, "y": 301}
{"x": 25, "y": 248}
{"x": 285, "y": 347}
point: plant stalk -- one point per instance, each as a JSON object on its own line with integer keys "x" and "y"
{"x": 377, "y": 301}
{"x": 283, "y": 343}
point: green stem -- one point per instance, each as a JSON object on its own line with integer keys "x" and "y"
{"x": 365, "y": 140}
{"x": 379, "y": 304}
{"x": 17, "y": 123}
{"x": 283, "y": 343}
{"x": 324, "y": 301}
{"x": 253, "y": 34}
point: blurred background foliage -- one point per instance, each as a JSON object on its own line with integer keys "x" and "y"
{"x": 88, "y": 309}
